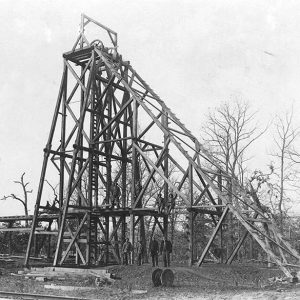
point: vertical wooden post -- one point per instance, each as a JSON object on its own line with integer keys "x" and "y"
{"x": 131, "y": 235}
{"x": 126, "y": 97}
{"x": 164, "y": 118}
{"x": 10, "y": 225}
{"x": 134, "y": 174}
{"x": 62, "y": 143}
{"x": 73, "y": 166}
{"x": 166, "y": 223}
{"x": 88, "y": 240}
{"x": 124, "y": 176}
{"x": 106, "y": 240}
{"x": 81, "y": 30}
{"x": 191, "y": 218}
{"x": 44, "y": 167}
{"x": 220, "y": 203}
{"x": 80, "y": 140}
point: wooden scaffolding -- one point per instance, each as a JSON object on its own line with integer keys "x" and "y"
{"x": 111, "y": 137}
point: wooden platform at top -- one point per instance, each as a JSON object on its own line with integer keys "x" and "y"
{"x": 79, "y": 55}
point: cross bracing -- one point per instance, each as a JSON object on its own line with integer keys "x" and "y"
{"x": 109, "y": 127}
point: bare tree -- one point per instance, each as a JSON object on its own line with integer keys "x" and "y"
{"x": 284, "y": 140}
{"x": 229, "y": 130}
{"x": 24, "y": 199}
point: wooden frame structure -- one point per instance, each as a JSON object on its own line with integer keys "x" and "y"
{"x": 110, "y": 127}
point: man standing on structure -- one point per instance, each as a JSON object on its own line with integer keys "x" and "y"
{"x": 171, "y": 203}
{"x": 165, "y": 250}
{"x": 160, "y": 203}
{"x": 126, "y": 249}
{"x": 154, "y": 248}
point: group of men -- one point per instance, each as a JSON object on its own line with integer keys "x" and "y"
{"x": 165, "y": 205}
{"x": 127, "y": 252}
{"x": 165, "y": 250}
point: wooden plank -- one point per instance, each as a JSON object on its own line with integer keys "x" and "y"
{"x": 258, "y": 220}
{"x": 255, "y": 235}
{"x": 159, "y": 225}
{"x": 183, "y": 196}
{"x": 72, "y": 241}
{"x": 239, "y": 244}
{"x": 114, "y": 119}
{"x": 148, "y": 180}
{"x": 82, "y": 241}
{"x": 212, "y": 237}
{"x": 204, "y": 191}
{"x": 46, "y": 232}
{"x": 20, "y": 229}
{"x": 101, "y": 153}
{"x": 44, "y": 166}
{"x": 185, "y": 172}
{"x": 100, "y": 25}
{"x": 284, "y": 242}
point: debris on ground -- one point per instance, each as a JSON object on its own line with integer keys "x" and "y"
{"x": 139, "y": 292}
{"x": 236, "y": 281}
{"x": 100, "y": 281}
{"x": 67, "y": 288}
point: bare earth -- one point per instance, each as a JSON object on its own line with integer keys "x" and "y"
{"x": 212, "y": 281}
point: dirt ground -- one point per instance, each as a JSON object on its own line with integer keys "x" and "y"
{"x": 211, "y": 281}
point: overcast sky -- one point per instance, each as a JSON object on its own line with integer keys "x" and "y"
{"x": 194, "y": 54}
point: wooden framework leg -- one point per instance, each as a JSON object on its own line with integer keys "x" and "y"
{"x": 106, "y": 240}
{"x": 191, "y": 238}
{"x": 131, "y": 235}
{"x": 237, "y": 248}
{"x": 223, "y": 216}
{"x": 165, "y": 227}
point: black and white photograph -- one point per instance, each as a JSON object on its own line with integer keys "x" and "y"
{"x": 150, "y": 149}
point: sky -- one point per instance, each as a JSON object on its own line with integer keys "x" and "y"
{"x": 194, "y": 54}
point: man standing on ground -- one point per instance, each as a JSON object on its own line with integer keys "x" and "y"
{"x": 140, "y": 253}
{"x": 154, "y": 248}
{"x": 165, "y": 250}
{"x": 126, "y": 248}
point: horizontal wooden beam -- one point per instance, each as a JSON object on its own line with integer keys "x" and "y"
{"x": 101, "y": 153}
{"x": 21, "y": 229}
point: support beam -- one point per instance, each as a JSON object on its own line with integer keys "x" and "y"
{"x": 212, "y": 237}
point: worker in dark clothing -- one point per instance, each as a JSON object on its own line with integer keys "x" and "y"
{"x": 140, "y": 253}
{"x": 160, "y": 203}
{"x": 165, "y": 250}
{"x": 46, "y": 209}
{"x": 171, "y": 203}
{"x": 126, "y": 249}
{"x": 53, "y": 206}
{"x": 154, "y": 249}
